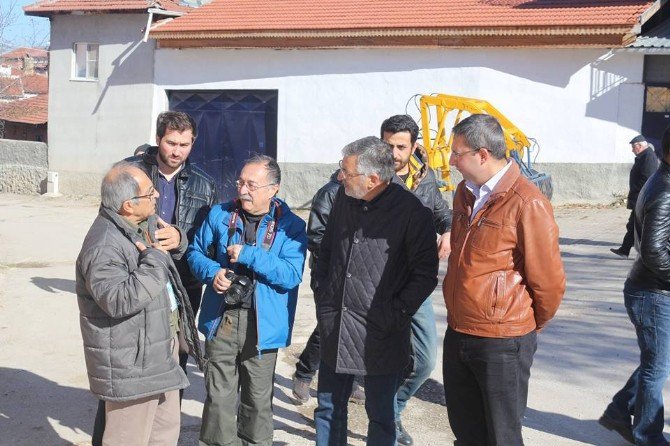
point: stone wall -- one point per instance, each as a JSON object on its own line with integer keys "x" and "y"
{"x": 23, "y": 166}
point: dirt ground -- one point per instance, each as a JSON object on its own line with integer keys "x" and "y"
{"x": 583, "y": 357}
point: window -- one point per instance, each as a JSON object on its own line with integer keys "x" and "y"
{"x": 85, "y": 61}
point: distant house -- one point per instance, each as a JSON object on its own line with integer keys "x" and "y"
{"x": 298, "y": 80}
{"x": 24, "y": 88}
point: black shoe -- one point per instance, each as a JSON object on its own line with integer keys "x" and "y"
{"x": 357, "y": 394}
{"x": 621, "y": 427}
{"x": 620, "y": 252}
{"x": 404, "y": 438}
{"x": 300, "y": 391}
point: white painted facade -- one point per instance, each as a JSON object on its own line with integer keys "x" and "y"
{"x": 581, "y": 105}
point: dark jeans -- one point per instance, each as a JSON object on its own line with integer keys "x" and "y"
{"x": 194, "y": 296}
{"x": 642, "y": 396}
{"x": 486, "y": 387}
{"x": 330, "y": 416}
{"x": 629, "y": 238}
{"x": 236, "y": 369}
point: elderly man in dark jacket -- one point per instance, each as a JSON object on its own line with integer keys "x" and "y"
{"x": 377, "y": 264}
{"x": 647, "y": 298}
{"x": 646, "y": 163}
{"x": 133, "y": 311}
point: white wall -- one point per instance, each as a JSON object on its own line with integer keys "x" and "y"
{"x": 94, "y": 124}
{"x": 580, "y": 109}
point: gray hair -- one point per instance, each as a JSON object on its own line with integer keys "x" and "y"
{"x": 482, "y": 130}
{"x": 274, "y": 172}
{"x": 374, "y": 157}
{"x": 118, "y": 186}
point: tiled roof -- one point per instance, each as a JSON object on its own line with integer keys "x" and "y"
{"x": 310, "y": 15}
{"x": 18, "y": 53}
{"x": 49, "y": 7}
{"x": 35, "y": 84}
{"x": 658, "y": 37}
{"x": 28, "y": 111}
{"x": 11, "y": 87}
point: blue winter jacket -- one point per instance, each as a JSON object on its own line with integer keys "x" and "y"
{"x": 278, "y": 270}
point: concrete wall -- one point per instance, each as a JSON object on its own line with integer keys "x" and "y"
{"x": 95, "y": 123}
{"x": 23, "y": 166}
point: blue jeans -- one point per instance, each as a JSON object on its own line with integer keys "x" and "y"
{"x": 424, "y": 354}
{"x": 330, "y": 416}
{"x": 642, "y": 396}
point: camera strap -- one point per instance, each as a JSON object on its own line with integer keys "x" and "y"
{"x": 270, "y": 231}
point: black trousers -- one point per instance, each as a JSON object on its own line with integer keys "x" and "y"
{"x": 194, "y": 292}
{"x": 308, "y": 362}
{"x": 629, "y": 238}
{"x": 486, "y": 387}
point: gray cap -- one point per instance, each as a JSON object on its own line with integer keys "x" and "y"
{"x": 638, "y": 138}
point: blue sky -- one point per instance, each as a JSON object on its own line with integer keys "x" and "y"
{"x": 24, "y": 28}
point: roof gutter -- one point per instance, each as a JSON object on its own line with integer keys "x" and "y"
{"x": 157, "y": 11}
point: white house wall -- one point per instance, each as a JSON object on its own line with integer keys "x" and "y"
{"x": 581, "y": 105}
{"x": 92, "y": 124}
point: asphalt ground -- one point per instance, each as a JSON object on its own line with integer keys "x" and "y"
{"x": 583, "y": 357}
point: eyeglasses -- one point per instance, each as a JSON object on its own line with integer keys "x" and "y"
{"x": 253, "y": 187}
{"x": 347, "y": 174}
{"x": 150, "y": 195}
{"x": 458, "y": 155}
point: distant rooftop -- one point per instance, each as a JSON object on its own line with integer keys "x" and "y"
{"x": 46, "y": 8}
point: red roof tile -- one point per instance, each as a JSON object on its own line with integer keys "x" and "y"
{"x": 309, "y": 15}
{"x": 19, "y": 53}
{"x": 28, "y": 111}
{"x": 49, "y": 7}
{"x": 35, "y": 84}
{"x": 11, "y": 87}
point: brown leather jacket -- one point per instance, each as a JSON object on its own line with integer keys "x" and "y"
{"x": 505, "y": 275}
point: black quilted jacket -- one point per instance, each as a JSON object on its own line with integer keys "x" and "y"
{"x": 377, "y": 264}
{"x": 196, "y": 194}
{"x": 651, "y": 269}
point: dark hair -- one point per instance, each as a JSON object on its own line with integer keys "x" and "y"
{"x": 665, "y": 143}
{"x": 374, "y": 156}
{"x": 178, "y": 121}
{"x": 274, "y": 172}
{"x": 482, "y": 130}
{"x": 400, "y": 123}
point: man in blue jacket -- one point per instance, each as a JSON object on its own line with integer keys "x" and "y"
{"x": 250, "y": 254}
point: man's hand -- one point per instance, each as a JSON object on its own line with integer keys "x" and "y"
{"x": 220, "y": 282}
{"x": 141, "y": 247}
{"x": 167, "y": 235}
{"x": 444, "y": 245}
{"x": 234, "y": 252}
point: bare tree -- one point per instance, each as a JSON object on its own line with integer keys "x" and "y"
{"x": 10, "y": 12}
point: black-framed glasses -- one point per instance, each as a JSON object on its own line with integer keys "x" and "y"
{"x": 458, "y": 155}
{"x": 150, "y": 195}
{"x": 253, "y": 187}
{"x": 347, "y": 174}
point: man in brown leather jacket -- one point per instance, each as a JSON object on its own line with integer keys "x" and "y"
{"x": 504, "y": 283}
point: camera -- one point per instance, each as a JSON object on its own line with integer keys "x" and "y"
{"x": 240, "y": 288}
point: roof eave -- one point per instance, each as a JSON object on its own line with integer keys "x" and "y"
{"x": 445, "y": 37}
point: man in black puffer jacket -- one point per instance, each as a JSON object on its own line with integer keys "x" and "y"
{"x": 647, "y": 299}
